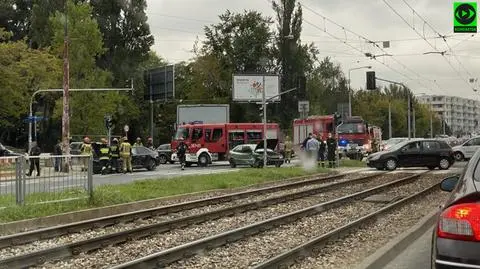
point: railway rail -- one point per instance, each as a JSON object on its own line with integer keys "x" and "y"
{"x": 68, "y": 250}
{"x": 170, "y": 256}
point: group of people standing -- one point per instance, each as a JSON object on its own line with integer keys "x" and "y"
{"x": 317, "y": 149}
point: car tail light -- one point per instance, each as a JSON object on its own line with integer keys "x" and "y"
{"x": 460, "y": 222}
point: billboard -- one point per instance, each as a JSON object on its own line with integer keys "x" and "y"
{"x": 160, "y": 83}
{"x": 204, "y": 113}
{"x": 248, "y": 88}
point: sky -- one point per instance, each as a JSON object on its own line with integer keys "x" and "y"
{"x": 345, "y": 30}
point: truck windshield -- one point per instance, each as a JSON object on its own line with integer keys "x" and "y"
{"x": 182, "y": 132}
{"x": 351, "y": 128}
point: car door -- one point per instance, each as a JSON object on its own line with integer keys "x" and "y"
{"x": 409, "y": 154}
{"x": 430, "y": 153}
{"x": 471, "y": 147}
{"x": 137, "y": 157}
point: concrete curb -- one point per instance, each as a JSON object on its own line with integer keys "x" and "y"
{"x": 82, "y": 215}
{"x": 392, "y": 249}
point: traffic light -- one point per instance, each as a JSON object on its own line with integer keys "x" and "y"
{"x": 302, "y": 87}
{"x": 337, "y": 119}
{"x": 371, "y": 83}
{"x": 109, "y": 123}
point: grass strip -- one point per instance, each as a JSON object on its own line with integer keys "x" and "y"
{"x": 106, "y": 195}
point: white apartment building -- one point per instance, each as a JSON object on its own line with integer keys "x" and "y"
{"x": 461, "y": 114}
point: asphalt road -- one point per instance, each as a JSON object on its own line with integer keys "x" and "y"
{"x": 416, "y": 255}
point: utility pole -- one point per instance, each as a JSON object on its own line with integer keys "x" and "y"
{"x": 414, "y": 123}
{"x": 264, "y": 106}
{"x": 389, "y": 120}
{"x": 409, "y": 116}
{"x": 66, "y": 86}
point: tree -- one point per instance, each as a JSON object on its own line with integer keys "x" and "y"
{"x": 23, "y": 71}
{"x": 295, "y": 59}
{"x": 15, "y": 17}
{"x": 85, "y": 45}
{"x": 235, "y": 45}
{"x": 127, "y": 36}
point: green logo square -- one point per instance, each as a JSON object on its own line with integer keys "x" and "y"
{"x": 465, "y": 17}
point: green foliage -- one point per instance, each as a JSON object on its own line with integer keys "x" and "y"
{"x": 22, "y": 71}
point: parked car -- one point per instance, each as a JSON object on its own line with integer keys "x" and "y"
{"x": 429, "y": 153}
{"x": 252, "y": 154}
{"x": 456, "y": 237}
{"x": 142, "y": 158}
{"x": 5, "y": 152}
{"x": 165, "y": 153}
{"x": 392, "y": 141}
{"x": 467, "y": 149}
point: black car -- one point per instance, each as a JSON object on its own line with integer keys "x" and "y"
{"x": 456, "y": 237}
{"x": 414, "y": 153}
{"x": 165, "y": 153}
{"x": 142, "y": 158}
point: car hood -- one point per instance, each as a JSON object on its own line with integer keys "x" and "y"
{"x": 457, "y": 148}
{"x": 376, "y": 154}
{"x": 271, "y": 144}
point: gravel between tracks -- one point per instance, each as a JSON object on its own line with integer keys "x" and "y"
{"x": 87, "y": 234}
{"x": 256, "y": 249}
{"x": 350, "y": 251}
{"x": 113, "y": 255}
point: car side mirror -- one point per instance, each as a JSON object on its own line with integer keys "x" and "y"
{"x": 449, "y": 183}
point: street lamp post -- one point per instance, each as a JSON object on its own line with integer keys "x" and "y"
{"x": 350, "y": 89}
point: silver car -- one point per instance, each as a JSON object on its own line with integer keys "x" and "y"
{"x": 467, "y": 149}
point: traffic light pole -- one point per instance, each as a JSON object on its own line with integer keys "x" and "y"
{"x": 409, "y": 120}
{"x": 61, "y": 90}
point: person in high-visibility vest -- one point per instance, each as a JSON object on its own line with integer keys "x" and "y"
{"x": 126, "y": 155}
{"x": 138, "y": 143}
{"x": 104, "y": 156}
{"x": 288, "y": 149}
{"x": 86, "y": 150}
{"x": 114, "y": 154}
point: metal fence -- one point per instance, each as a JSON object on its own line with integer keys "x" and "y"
{"x": 20, "y": 182}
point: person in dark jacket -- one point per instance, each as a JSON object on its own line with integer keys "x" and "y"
{"x": 115, "y": 155}
{"x": 332, "y": 149}
{"x": 181, "y": 151}
{"x": 304, "y": 143}
{"x": 58, "y": 152}
{"x": 321, "y": 151}
{"x": 35, "y": 161}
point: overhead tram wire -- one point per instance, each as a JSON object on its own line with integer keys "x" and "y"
{"x": 375, "y": 45}
{"x": 444, "y": 38}
{"x": 430, "y": 44}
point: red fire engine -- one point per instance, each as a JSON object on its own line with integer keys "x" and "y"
{"x": 354, "y": 134}
{"x": 212, "y": 142}
{"x": 355, "y": 137}
{"x": 318, "y": 125}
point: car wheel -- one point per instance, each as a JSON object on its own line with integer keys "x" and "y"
{"x": 203, "y": 160}
{"x": 162, "y": 159}
{"x": 151, "y": 165}
{"x": 232, "y": 163}
{"x": 458, "y": 156}
{"x": 431, "y": 167}
{"x": 444, "y": 164}
{"x": 391, "y": 164}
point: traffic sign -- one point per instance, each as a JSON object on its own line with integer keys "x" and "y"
{"x": 126, "y": 128}
{"x": 465, "y": 17}
{"x": 303, "y": 106}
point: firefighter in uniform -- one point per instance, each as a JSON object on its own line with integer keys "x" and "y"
{"x": 321, "y": 151}
{"x": 288, "y": 149}
{"x": 138, "y": 143}
{"x": 126, "y": 155}
{"x": 181, "y": 151}
{"x": 86, "y": 150}
{"x": 104, "y": 157}
{"x": 375, "y": 145}
{"x": 150, "y": 143}
{"x": 114, "y": 154}
{"x": 331, "y": 150}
